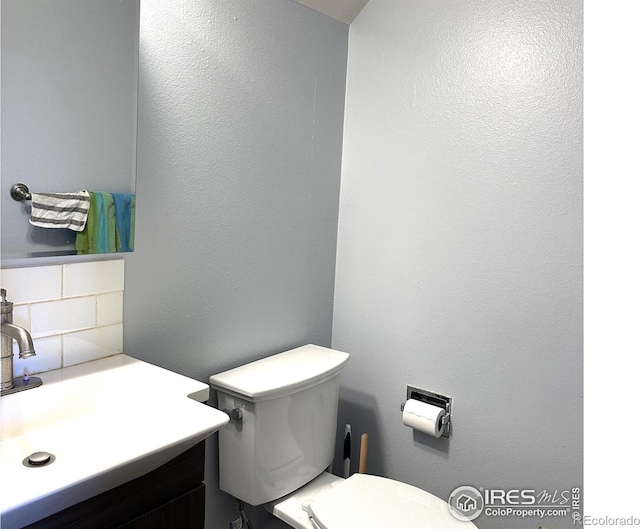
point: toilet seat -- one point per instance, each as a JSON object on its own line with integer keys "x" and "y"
{"x": 291, "y": 509}
{"x": 380, "y": 503}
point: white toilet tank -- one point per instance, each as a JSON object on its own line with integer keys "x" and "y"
{"x": 287, "y": 433}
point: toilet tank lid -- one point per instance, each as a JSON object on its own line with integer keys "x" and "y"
{"x": 281, "y": 374}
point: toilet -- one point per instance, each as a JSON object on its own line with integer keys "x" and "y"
{"x": 279, "y": 443}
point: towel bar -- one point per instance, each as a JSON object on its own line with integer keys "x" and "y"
{"x": 20, "y": 192}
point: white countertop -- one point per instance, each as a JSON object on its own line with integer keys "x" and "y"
{"x": 106, "y": 422}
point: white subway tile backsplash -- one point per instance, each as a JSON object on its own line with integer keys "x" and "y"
{"x": 92, "y": 344}
{"x": 48, "y": 357}
{"x": 73, "y": 312}
{"x": 83, "y": 279}
{"x": 21, "y": 316}
{"x": 29, "y": 285}
{"x": 109, "y": 309}
{"x": 66, "y": 315}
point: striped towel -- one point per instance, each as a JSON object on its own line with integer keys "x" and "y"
{"x": 60, "y": 210}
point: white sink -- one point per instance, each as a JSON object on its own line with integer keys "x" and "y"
{"x": 106, "y": 422}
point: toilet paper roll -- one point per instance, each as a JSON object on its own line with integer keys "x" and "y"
{"x": 423, "y": 417}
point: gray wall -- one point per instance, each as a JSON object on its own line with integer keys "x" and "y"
{"x": 459, "y": 263}
{"x": 240, "y": 136}
{"x": 459, "y": 256}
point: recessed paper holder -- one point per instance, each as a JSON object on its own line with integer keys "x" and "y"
{"x": 435, "y": 399}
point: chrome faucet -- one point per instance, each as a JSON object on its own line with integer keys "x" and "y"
{"x": 12, "y": 332}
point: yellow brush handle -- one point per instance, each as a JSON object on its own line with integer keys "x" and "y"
{"x": 364, "y": 451}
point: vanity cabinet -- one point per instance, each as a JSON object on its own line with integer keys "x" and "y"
{"x": 170, "y": 497}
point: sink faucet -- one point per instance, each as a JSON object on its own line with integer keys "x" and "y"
{"x": 12, "y": 332}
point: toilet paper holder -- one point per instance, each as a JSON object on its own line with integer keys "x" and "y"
{"x": 435, "y": 399}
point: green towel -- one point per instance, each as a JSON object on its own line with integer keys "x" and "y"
{"x": 107, "y": 226}
{"x": 99, "y": 234}
{"x": 86, "y": 240}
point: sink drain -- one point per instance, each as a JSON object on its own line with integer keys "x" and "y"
{"x": 38, "y": 459}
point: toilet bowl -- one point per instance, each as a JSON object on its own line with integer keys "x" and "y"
{"x": 363, "y": 500}
{"x": 280, "y": 440}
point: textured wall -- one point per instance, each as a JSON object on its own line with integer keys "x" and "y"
{"x": 240, "y": 136}
{"x": 459, "y": 264}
